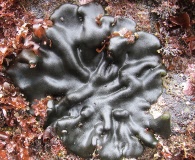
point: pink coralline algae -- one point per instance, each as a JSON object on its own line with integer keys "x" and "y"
{"x": 189, "y": 86}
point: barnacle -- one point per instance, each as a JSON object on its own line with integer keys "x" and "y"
{"x": 101, "y": 99}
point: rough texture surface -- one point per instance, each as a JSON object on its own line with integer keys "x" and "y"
{"x": 103, "y": 76}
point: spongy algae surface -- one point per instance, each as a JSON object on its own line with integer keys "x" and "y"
{"x": 103, "y": 77}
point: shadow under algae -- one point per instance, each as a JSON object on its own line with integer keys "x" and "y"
{"x": 103, "y": 76}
